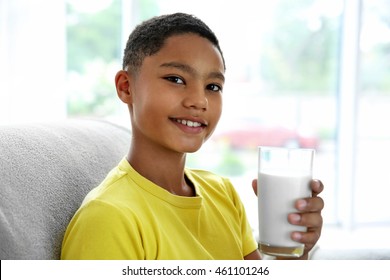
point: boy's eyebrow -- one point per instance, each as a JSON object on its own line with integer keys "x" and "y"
{"x": 187, "y": 68}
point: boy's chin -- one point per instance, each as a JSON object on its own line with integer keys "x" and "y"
{"x": 192, "y": 150}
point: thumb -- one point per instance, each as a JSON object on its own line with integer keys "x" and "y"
{"x": 254, "y": 185}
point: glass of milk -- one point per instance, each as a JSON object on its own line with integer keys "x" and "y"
{"x": 283, "y": 177}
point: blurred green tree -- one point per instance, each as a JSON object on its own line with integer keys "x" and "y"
{"x": 94, "y": 51}
{"x": 300, "y": 54}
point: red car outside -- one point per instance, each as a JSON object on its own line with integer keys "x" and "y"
{"x": 251, "y": 136}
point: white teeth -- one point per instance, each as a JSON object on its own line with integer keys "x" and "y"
{"x": 189, "y": 123}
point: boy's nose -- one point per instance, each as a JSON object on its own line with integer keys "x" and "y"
{"x": 196, "y": 99}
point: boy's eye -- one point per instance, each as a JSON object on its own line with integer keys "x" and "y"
{"x": 175, "y": 80}
{"x": 214, "y": 87}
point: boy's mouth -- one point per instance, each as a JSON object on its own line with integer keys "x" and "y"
{"x": 189, "y": 123}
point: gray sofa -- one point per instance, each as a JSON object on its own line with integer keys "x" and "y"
{"x": 46, "y": 170}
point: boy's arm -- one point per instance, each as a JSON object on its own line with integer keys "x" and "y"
{"x": 99, "y": 231}
{"x": 255, "y": 255}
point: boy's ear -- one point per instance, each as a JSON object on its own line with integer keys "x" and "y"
{"x": 123, "y": 83}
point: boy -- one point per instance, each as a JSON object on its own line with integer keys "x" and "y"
{"x": 150, "y": 206}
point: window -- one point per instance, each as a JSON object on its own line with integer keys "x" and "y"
{"x": 373, "y": 135}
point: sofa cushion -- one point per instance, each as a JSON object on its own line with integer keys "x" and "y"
{"x": 46, "y": 170}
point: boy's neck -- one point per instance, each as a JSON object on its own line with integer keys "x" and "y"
{"x": 164, "y": 168}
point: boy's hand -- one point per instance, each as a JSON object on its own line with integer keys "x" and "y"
{"x": 309, "y": 216}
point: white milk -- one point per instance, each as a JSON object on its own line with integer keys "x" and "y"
{"x": 277, "y": 195}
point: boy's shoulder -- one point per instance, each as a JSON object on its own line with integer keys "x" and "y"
{"x": 209, "y": 179}
{"x": 213, "y": 186}
{"x": 111, "y": 184}
{"x": 206, "y": 175}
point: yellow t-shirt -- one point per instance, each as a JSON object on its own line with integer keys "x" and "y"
{"x": 129, "y": 217}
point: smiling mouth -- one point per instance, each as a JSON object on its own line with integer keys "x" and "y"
{"x": 189, "y": 123}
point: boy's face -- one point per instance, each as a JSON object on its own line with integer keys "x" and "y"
{"x": 176, "y": 97}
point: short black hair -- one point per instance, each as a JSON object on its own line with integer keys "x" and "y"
{"x": 149, "y": 37}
